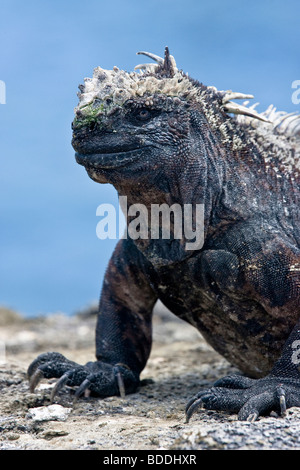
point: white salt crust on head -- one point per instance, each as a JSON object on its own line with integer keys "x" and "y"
{"x": 108, "y": 89}
{"x": 120, "y": 86}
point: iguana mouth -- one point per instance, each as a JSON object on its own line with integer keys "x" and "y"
{"x": 108, "y": 160}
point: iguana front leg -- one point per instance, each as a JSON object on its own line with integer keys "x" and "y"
{"x": 123, "y": 334}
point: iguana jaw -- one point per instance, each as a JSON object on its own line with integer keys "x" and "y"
{"x": 107, "y": 161}
{"x": 110, "y": 151}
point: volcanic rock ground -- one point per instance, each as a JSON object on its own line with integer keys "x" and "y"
{"x": 181, "y": 363}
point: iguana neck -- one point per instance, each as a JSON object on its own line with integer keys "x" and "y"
{"x": 187, "y": 184}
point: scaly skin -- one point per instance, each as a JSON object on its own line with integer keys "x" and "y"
{"x": 241, "y": 289}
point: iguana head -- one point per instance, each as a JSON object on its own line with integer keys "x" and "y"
{"x": 127, "y": 121}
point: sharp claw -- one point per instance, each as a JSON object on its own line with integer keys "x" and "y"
{"x": 198, "y": 403}
{"x": 189, "y": 403}
{"x": 81, "y": 389}
{"x": 120, "y": 380}
{"x": 120, "y": 384}
{"x": 194, "y": 398}
{"x": 59, "y": 385}
{"x": 282, "y": 401}
{"x": 35, "y": 379}
{"x": 282, "y": 406}
{"x": 252, "y": 417}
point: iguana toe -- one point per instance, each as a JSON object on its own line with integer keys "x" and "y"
{"x": 258, "y": 399}
{"x": 99, "y": 378}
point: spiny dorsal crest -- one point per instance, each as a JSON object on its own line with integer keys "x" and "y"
{"x": 111, "y": 89}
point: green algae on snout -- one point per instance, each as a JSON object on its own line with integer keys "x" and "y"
{"x": 93, "y": 112}
{"x": 87, "y": 115}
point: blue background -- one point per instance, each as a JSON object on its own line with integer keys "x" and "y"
{"x": 50, "y": 257}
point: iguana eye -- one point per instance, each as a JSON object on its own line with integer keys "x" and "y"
{"x": 143, "y": 114}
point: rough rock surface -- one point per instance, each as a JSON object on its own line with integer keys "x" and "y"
{"x": 152, "y": 419}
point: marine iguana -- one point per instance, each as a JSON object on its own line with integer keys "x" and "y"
{"x": 161, "y": 137}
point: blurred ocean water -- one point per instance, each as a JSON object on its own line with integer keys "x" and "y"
{"x": 51, "y": 258}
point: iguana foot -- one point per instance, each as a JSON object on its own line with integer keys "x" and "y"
{"x": 249, "y": 398}
{"x": 99, "y": 378}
